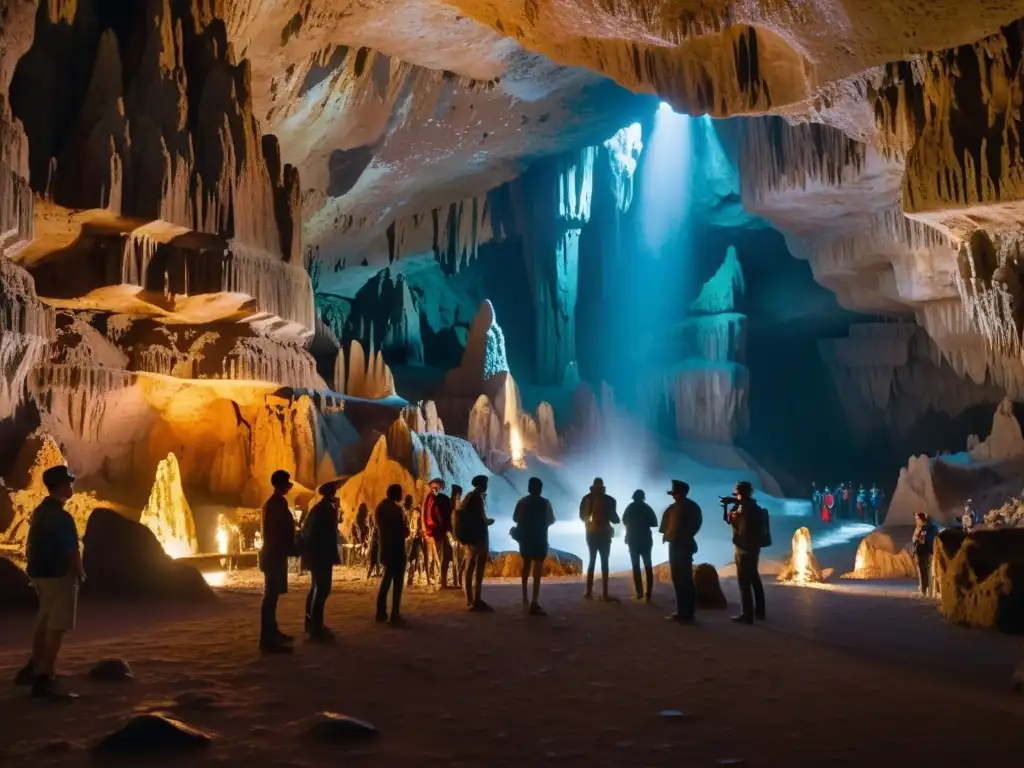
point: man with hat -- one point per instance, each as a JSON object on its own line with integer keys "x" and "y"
{"x": 679, "y": 527}
{"x": 279, "y": 544}
{"x": 320, "y": 555}
{"x": 55, "y": 567}
{"x": 597, "y": 511}
{"x": 437, "y": 522}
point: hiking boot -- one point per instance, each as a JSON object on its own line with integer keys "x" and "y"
{"x": 742, "y": 619}
{"x": 26, "y": 675}
{"x": 588, "y": 595}
{"x": 397, "y": 622}
{"x": 45, "y": 687}
{"x": 321, "y": 635}
{"x": 281, "y": 637}
{"x": 536, "y": 610}
{"x": 381, "y": 618}
{"x": 481, "y": 607}
{"x": 759, "y": 616}
{"x": 647, "y": 597}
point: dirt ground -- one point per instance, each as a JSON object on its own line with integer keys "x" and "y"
{"x": 836, "y": 677}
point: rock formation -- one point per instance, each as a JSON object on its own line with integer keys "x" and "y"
{"x": 879, "y": 556}
{"x": 167, "y": 514}
{"x": 802, "y": 567}
{"x": 1005, "y": 441}
{"x": 980, "y": 578}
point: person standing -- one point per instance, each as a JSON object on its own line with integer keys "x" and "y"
{"x": 533, "y": 516}
{"x": 597, "y": 511}
{"x": 638, "y": 520}
{"x": 416, "y": 548}
{"x": 55, "y": 568}
{"x": 437, "y": 522}
{"x": 279, "y": 544}
{"x": 392, "y": 531}
{"x": 749, "y": 525}
{"x": 458, "y": 550}
{"x": 925, "y": 532}
{"x": 473, "y": 532}
{"x": 320, "y": 550}
{"x": 679, "y": 527}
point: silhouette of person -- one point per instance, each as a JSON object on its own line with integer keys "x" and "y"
{"x": 458, "y": 550}
{"x": 749, "y": 524}
{"x": 923, "y": 544}
{"x": 533, "y": 516}
{"x": 437, "y": 522}
{"x": 320, "y": 552}
{"x": 597, "y": 511}
{"x": 278, "y": 545}
{"x": 473, "y": 532}
{"x": 638, "y": 519}
{"x": 679, "y": 527}
{"x": 416, "y": 546}
{"x": 392, "y": 531}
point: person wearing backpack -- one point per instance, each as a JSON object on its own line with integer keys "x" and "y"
{"x": 638, "y": 520}
{"x": 597, "y": 511}
{"x": 749, "y": 533}
{"x": 533, "y": 516}
{"x": 472, "y": 530}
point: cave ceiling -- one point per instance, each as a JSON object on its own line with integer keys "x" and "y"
{"x": 882, "y": 135}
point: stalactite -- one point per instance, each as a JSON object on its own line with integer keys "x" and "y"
{"x": 363, "y": 375}
{"x": 623, "y": 152}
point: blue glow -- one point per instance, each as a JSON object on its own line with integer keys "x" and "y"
{"x": 666, "y": 182}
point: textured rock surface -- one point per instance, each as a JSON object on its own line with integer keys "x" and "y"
{"x": 705, "y": 579}
{"x": 510, "y": 564}
{"x": 980, "y": 578}
{"x": 884, "y": 555}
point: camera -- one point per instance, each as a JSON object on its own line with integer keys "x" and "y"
{"x": 727, "y": 502}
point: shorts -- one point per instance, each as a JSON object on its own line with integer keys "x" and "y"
{"x": 58, "y": 602}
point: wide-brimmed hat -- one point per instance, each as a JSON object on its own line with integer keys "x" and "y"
{"x": 329, "y": 488}
{"x": 56, "y": 476}
{"x": 679, "y": 488}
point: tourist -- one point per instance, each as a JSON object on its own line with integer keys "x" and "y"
{"x": 533, "y": 516}
{"x": 437, "y": 522}
{"x": 923, "y": 544}
{"x": 862, "y": 503}
{"x": 392, "y": 531}
{"x": 472, "y": 531}
{"x": 876, "y": 498}
{"x": 749, "y": 529}
{"x": 638, "y": 520}
{"x": 55, "y": 568}
{"x": 597, "y": 511}
{"x": 373, "y": 567}
{"x": 279, "y": 544}
{"x": 416, "y": 547}
{"x": 320, "y": 553}
{"x": 458, "y": 550}
{"x": 679, "y": 527}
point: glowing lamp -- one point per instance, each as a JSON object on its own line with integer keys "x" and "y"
{"x": 803, "y": 567}
{"x": 222, "y": 536}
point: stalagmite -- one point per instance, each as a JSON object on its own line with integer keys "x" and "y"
{"x": 363, "y": 376}
{"x": 167, "y": 512}
{"x": 483, "y": 359}
{"x": 1005, "y": 441}
{"x": 802, "y": 567}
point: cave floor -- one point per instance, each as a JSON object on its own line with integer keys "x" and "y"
{"x": 838, "y": 676}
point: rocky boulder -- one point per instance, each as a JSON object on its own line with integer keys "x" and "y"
{"x": 710, "y": 596}
{"x": 884, "y": 554}
{"x": 124, "y": 559}
{"x": 557, "y": 563}
{"x": 152, "y": 734}
{"x": 980, "y": 578}
{"x": 16, "y": 591}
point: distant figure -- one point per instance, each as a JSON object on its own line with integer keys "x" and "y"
{"x": 597, "y": 511}
{"x": 437, "y": 522}
{"x": 679, "y": 527}
{"x": 969, "y": 517}
{"x": 876, "y": 499}
{"x": 361, "y": 527}
{"x": 638, "y": 520}
{"x": 923, "y": 544}
{"x": 458, "y": 550}
{"x": 828, "y": 501}
{"x": 278, "y": 545}
{"x": 817, "y": 498}
{"x": 533, "y": 516}
{"x": 849, "y": 501}
{"x": 749, "y": 528}
{"x": 472, "y": 531}
{"x": 392, "y": 532}
{"x": 320, "y": 555}
{"x": 416, "y": 547}
{"x": 55, "y": 568}
{"x": 862, "y": 503}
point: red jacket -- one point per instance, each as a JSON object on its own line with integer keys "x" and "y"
{"x": 437, "y": 516}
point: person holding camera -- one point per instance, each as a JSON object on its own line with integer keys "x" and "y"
{"x": 749, "y": 533}
{"x": 679, "y": 527}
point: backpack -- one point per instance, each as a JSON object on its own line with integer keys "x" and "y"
{"x": 766, "y": 527}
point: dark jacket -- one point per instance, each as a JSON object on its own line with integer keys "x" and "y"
{"x": 597, "y": 510}
{"x": 391, "y": 531}
{"x": 638, "y": 520}
{"x": 278, "y": 533}
{"x": 681, "y": 523}
{"x": 924, "y": 538}
{"x": 52, "y": 540}
{"x": 320, "y": 535}
{"x": 747, "y": 521}
{"x": 472, "y": 520}
{"x": 533, "y": 516}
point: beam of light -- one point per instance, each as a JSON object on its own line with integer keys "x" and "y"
{"x": 516, "y": 449}
{"x": 222, "y": 536}
{"x": 666, "y": 180}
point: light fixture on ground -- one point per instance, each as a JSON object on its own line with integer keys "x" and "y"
{"x": 803, "y": 567}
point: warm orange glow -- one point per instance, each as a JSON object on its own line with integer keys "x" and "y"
{"x": 222, "y": 536}
{"x": 176, "y": 548}
{"x": 862, "y": 557}
{"x": 216, "y": 578}
{"x": 802, "y": 569}
{"x": 516, "y": 447}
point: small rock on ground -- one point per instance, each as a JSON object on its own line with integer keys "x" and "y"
{"x": 330, "y": 726}
{"x": 111, "y": 670}
{"x": 153, "y": 733}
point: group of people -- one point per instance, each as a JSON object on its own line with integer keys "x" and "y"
{"x": 455, "y": 542}
{"x": 849, "y": 502}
